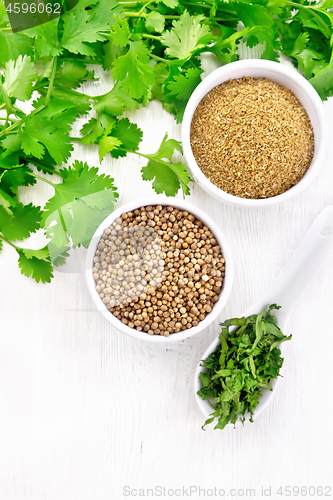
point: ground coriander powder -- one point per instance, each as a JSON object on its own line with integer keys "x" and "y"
{"x": 252, "y": 138}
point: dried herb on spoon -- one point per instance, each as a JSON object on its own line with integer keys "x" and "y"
{"x": 246, "y": 360}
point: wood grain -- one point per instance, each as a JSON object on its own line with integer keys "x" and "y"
{"x": 86, "y": 410}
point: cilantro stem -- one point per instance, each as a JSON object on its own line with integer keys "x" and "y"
{"x": 42, "y": 165}
{"x": 160, "y": 59}
{"x": 49, "y": 90}
{"x": 136, "y": 14}
{"x": 145, "y": 5}
{"x": 82, "y": 59}
{"x": 8, "y": 241}
{"x": 71, "y": 91}
{"x": 41, "y": 178}
{"x": 10, "y": 119}
{"x": 153, "y": 37}
{"x": 6, "y": 122}
{"x": 40, "y": 78}
{"x": 18, "y": 123}
{"x": 8, "y": 104}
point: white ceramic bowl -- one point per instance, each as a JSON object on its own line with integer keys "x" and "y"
{"x": 220, "y": 238}
{"x": 289, "y": 78}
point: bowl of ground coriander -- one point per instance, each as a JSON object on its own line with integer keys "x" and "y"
{"x": 159, "y": 270}
{"x": 254, "y": 133}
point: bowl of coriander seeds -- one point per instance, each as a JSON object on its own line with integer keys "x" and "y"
{"x": 254, "y": 133}
{"x": 159, "y": 270}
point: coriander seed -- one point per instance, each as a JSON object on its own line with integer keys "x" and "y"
{"x": 150, "y": 288}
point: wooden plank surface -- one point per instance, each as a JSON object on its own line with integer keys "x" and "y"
{"x": 86, "y": 411}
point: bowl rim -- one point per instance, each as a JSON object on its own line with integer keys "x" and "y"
{"x": 222, "y": 74}
{"x": 219, "y": 236}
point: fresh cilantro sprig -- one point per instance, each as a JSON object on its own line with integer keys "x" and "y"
{"x": 153, "y": 51}
{"x": 246, "y": 360}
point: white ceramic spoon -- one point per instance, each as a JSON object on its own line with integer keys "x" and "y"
{"x": 285, "y": 291}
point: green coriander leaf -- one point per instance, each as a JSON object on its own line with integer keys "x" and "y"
{"x": 106, "y": 10}
{"x": 83, "y": 4}
{"x": 19, "y": 76}
{"x": 11, "y": 179}
{"x": 1, "y": 244}
{"x": 107, "y": 144}
{"x": 53, "y": 134}
{"x": 110, "y": 52}
{"x": 12, "y": 45}
{"x": 61, "y": 112}
{"x": 120, "y": 33}
{"x": 183, "y": 85}
{"x": 323, "y": 81}
{"x": 187, "y": 36}
{"x": 307, "y": 59}
{"x": 278, "y": 342}
{"x": 58, "y": 255}
{"x": 155, "y": 22}
{"x": 252, "y": 366}
{"x": 11, "y": 143}
{"x": 161, "y": 72}
{"x": 31, "y": 146}
{"x": 253, "y": 14}
{"x": 81, "y": 29}
{"x": 170, "y": 3}
{"x": 226, "y": 46}
{"x": 25, "y": 220}
{"x": 313, "y": 19}
{"x": 205, "y": 379}
{"x": 7, "y": 202}
{"x": 115, "y": 102}
{"x": 222, "y": 422}
{"x": 72, "y": 74}
{"x": 46, "y": 39}
{"x": 38, "y": 268}
{"x": 222, "y": 373}
{"x": 42, "y": 253}
{"x": 86, "y": 220}
{"x": 208, "y": 421}
{"x": 77, "y": 100}
{"x": 260, "y": 329}
{"x": 95, "y": 128}
{"x": 79, "y": 205}
{"x": 8, "y": 160}
{"x": 130, "y": 136}
{"x": 133, "y": 70}
{"x": 167, "y": 177}
{"x": 167, "y": 148}
{"x": 275, "y": 6}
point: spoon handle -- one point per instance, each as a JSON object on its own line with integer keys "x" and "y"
{"x": 307, "y": 259}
